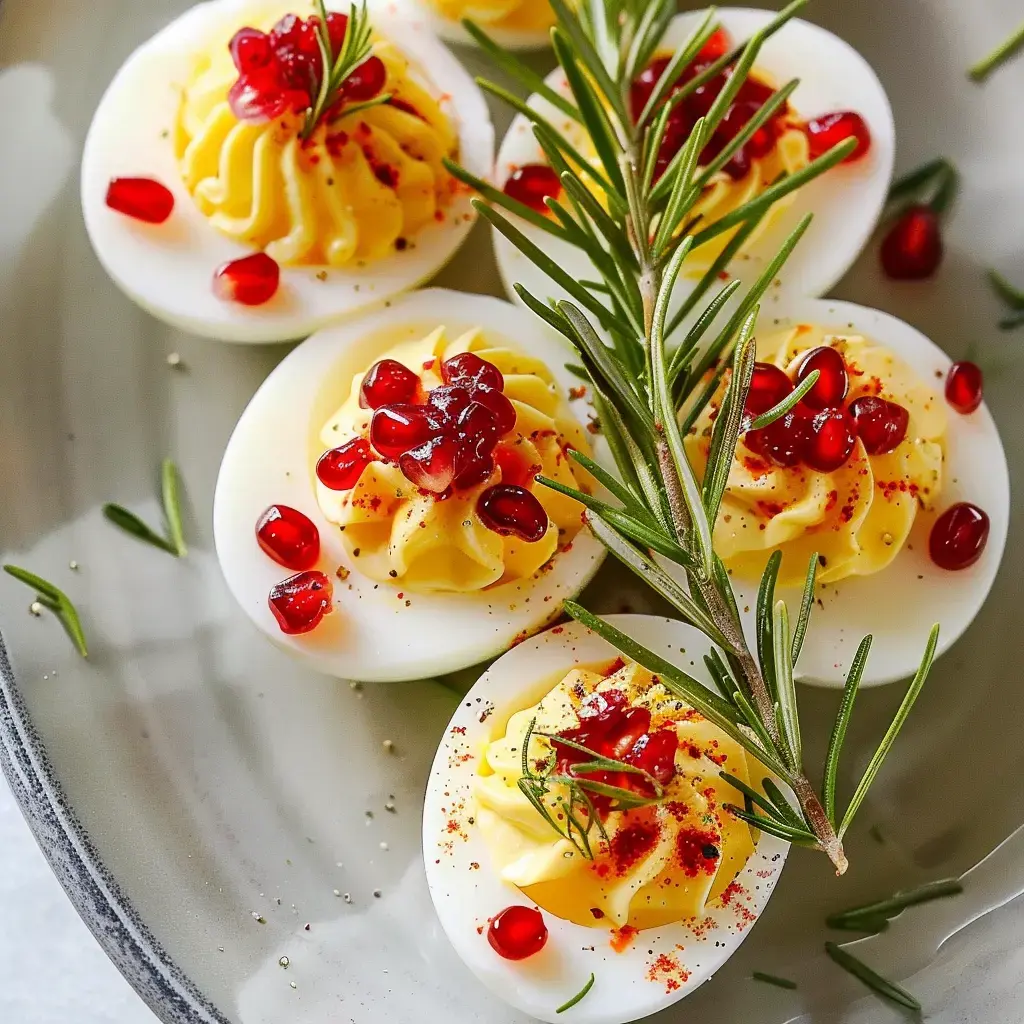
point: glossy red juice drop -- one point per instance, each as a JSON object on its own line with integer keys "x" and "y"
{"x": 300, "y": 602}
{"x": 431, "y": 465}
{"x": 881, "y": 425}
{"x": 140, "y": 198}
{"x": 912, "y": 248}
{"x": 513, "y": 511}
{"x": 250, "y": 50}
{"x": 832, "y": 440}
{"x": 337, "y": 26}
{"x": 387, "y": 381}
{"x": 958, "y": 537}
{"x": 340, "y": 468}
{"x": 531, "y": 184}
{"x": 251, "y": 280}
{"x": 468, "y": 370}
{"x": 399, "y": 428}
{"x": 784, "y": 441}
{"x": 768, "y": 386}
{"x": 830, "y": 129}
{"x": 833, "y": 381}
{"x": 963, "y": 387}
{"x": 366, "y": 81}
{"x": 517, "y": 933}
{"x": 289, "y": 537}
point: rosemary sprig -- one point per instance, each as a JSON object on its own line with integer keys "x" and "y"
{"x": 888, "y": 908}
{"x": 1003, "y": 52}
{"x": 874, "y": 981}
{"x": 651, "y": 376}
{"x": 569, "y": 1004}
{"x": 170, "y": 491}
{"x": 773, "y": 979}
{"x": 52, "y": 597}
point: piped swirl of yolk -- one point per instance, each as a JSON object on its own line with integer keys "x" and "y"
{"x": 521, "y": 15}
{"x": 857, "y": 517}
{"x": 662, "y": 862}
{"x": 360, "y": 187}
{"x": 400, "y": 534}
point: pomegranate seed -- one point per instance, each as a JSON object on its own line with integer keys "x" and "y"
{"x": 300, "y": 602}
{"x": 830, "y": 129}
{"x": 631, "y": 725}
{"x": 337, "y": 26}
{"x": 768, "y": 386}
{"x": 514, "y": 468}
{"x": 474, "y": 462}
{"x": 340, "y": 468}
{"x": 833, "y": 437}
{"x": 398, "y": 428}
{"x": 833, "y": 381}
{"x": 289, "y": 537}
{"x": 959, "y": 536}
{"x": 517, "y": 933}
{"x": 250, "y": 50}
{"x": 251, "y": 280}
{"x": 602, "y": 709}
{"x": 142, "y": 198}
{"x": 287, "y": 32}
{"x": 881, "y": 425}
{"x": 784, "y": 441}
{"x": 511, "y": 510}
{"x": 431, "y": 465}
{"x": 450, "y": 401}
{"x": 387, "y": 381}
{"x": 259, "y": 97}
{"x": 475, "y": 421}
{"x": 643, "y": 86}
{"x": 912, "y": 247}
{"x": 503, "y": 411}
{"x": 963, "y": 387}
{"x": 718, "y": 45}
{"x": 532, "y": 184}
{"x": 366, "y": 81}
{"x": 468, "y": 370}
{"x": 655, "y": 754}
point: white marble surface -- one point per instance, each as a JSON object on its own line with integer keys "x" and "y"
{"x": 51, "y": 969}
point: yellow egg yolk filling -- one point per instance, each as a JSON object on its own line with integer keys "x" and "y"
{"x": 858, "y": 517}
{"x": 396, "y": 533}
{"x": 518, "y": 15}
{"x": 360, "y": 187}
{"x": 661, "y": 863}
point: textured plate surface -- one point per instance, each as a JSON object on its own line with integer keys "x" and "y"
{"x": 213, "y": 779}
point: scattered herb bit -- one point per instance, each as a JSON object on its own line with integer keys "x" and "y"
{"x": 1012, "y": 296}
{"x": 773, "y": 979}
{"x": 874, "y": 981}
{"x": 174, "y": 543}
{"x": 938, "y": 178}
{"x": 578, "y": 997}
{"x": 883, "y": 910}
{"x": 1002, "y": 53}
{"x": 131, "y": 523}
{"x": 57, "y": 601}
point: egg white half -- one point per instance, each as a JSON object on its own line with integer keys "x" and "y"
{"x": 452, "y": 31}
{"x": 846, "y": 201}
{"x": 899, "y": 605}
{"x": 168, "y": 268}
{"x": 467, "y": 891}
{"x": 372, "y": 635}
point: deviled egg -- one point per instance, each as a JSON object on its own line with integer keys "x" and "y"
{"x": 233, "y": 193}
{"x": 838, "y": 97}
{"x": 514, "y": 24}
{"x": 865, "y": 473}
{"x": 640, "y": 879}
{"x": 390, "y": 464}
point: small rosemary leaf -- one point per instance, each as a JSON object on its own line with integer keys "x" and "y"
{"x": 916, "y": 179}
{"x": 697, "y": 407}
{"x": 653, "y": 139}
{"x": 893, "y": 905}
{"x": 649, "y": 537}
{"x": 770, "y": 755}
{"x": 773, "y": 826}
{"x": 581, "y": 54}
{"x": 563, "y": 157}
{"x": 681, "y": 59}
{"x": 611, "y": 231}
{"x": 1010, "y": 294}
{"x": 569, "y": 1004}
{"x": 610, "y": 483}
{"x": 1003, "y": 52}
{"x": 551, "y": 317}
{"x": 776, "y": 412}
{"x": 752, "y": 795}
{"x": 875, "y": 764}
{"x": 724, "y": 678}
{"x": 860, "y": 970}
{"x": 170, "y": 489}
{"x": 494, "y": 195}
{"x": 863, "y": 925}
{"x": 763, "y": 621}
{"x": 807, "y": 600}
{"x": 359, "y": 108}
{"x": 781, "y": 804}
{"x": 711, "y": 275}
{"x": 44, "y": 587}
{"x": 57, "y": 601}
{"x": 1011, "y": 323}
{"x": 785, "y": 686}
{"x": 845, "y": 713}
{"x": 131, "y": 523}
{"x": 680, "y": 201}
{"x": 773, "y": 979}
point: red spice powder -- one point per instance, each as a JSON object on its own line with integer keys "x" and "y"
{"x": 693, "y": 846}
{"x": 622, "y": 938}
{"x": 632, "y": 843}
{"x": 667, "y": 970}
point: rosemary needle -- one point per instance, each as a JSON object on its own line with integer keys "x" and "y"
{"x": 128, "y": 521}
{"x": 773, "y": 979}
{"x": 170, "y": 490}
{"x": 871, "y": 913}
{"x": 874, "y": 981}
{"x": 1002, "y": 53}
{"x": 578, "y": 997}
{"x": 57, "y": 601}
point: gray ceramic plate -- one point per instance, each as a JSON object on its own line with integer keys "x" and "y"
{"x": 189, "y": 782}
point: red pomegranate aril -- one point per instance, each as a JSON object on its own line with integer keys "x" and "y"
{"x": 600, "y": 710}
{"x": 833, "y": 438}
{"x": 655, "y": 754}
{"x": 717, "y": 45}
{"x": 532, "y": 184}
{"x": 623, "y": 736}
{"x": 251, "y": 280}
{"x": 783, "y": 442}
{"x": 140, "y": 198}
{"x": 477, "y": 421}
{"x": 468, "y": 370}
{"x": 643, "y": 85}
{"x": 513, "y": 511}
{"x": 474, "y": 462}
{"x": 514, "y": 468}
{"x": 517, "y": 933}
{"x": 399, "y": 428}
{"x": 287, "y": 32}
{"x": 912, "y": 248}
{"x": 259, "y": 96}
{"x": 300, "y": 602}
{"x": 449, "y": 400}
{"x": 768, "y": 386}
{"x": 386, "y": 382}
{"x": 289, "y": 537}
{"x": 503, "y": 411}
{"x": 337, "y": 26}
{"x": 250, "y": 50}
{"x": 366, "y": 81}
{"x": 833, "y": 381}
{"x": 830, "y": 129}
{"x": 963, "y": 387}
{"x": 958, "y": 537}
{"x": 881, "y": 425}
{"x": 431, "y": 465}
{"x": 340, "y": 468}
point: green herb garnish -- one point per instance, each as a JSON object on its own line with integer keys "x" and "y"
{"x": 869, "y": 916}
{"x": 576, "y": 998}
{"x": 773, "y": 979}
{"x": 874, "y": 981}
{"x": 174, "y": 543}
{"x": 57, "y": 601}
{"x": 1012, "y": 297}
{"x": 1002, "y": 53}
